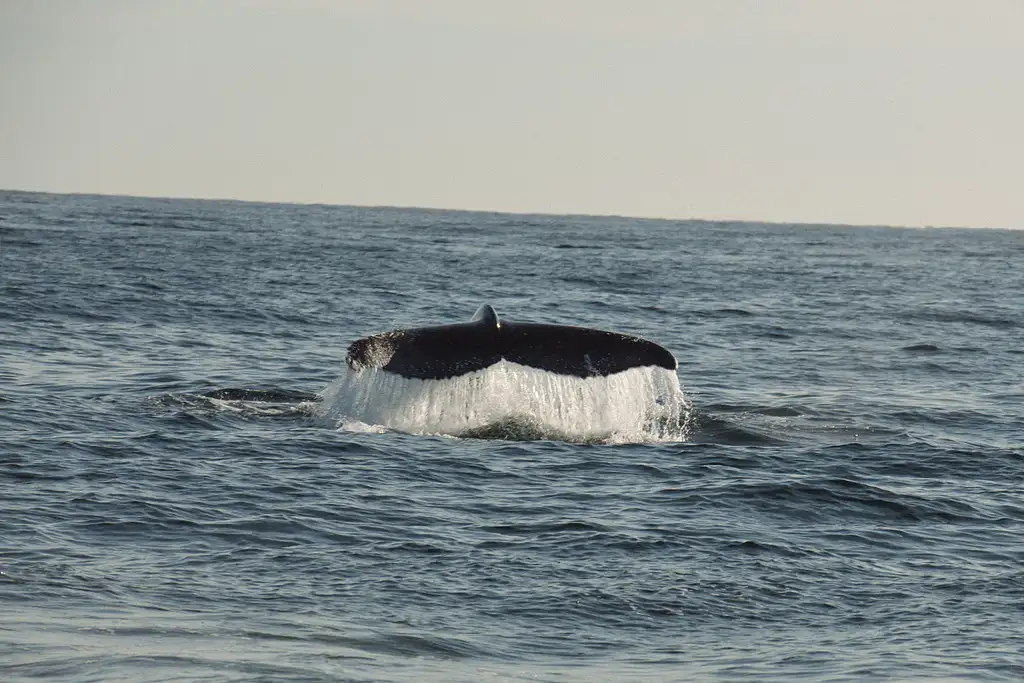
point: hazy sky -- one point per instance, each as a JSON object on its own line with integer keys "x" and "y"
{"x": 906, "y": 112}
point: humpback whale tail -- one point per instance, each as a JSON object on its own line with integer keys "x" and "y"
{"x": 511, "y": 380}
{"x": 446, "y": 351}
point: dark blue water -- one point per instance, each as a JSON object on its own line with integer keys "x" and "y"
{"x": 847, "y": 503}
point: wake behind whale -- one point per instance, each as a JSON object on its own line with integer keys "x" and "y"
{"x": 498, "y": 379}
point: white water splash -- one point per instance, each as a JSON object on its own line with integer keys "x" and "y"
{"x": 508, "y": 400}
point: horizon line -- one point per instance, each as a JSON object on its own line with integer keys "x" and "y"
{"x": 573, "y": 214}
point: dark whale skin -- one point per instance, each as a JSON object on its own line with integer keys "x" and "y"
{"x": 446, "y": 351}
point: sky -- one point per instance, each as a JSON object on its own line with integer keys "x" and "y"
{"x": 894, "y": 112}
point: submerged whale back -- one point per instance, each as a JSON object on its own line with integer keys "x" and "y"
{"x": 447, "y": 351}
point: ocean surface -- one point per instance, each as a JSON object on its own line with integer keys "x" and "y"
{"x": 194, "y": 487}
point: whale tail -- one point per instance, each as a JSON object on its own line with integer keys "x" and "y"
{"x": 445, "y": 351}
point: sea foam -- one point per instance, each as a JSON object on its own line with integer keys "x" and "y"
{"x": 507, "y": 400}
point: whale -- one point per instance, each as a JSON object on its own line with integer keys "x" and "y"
{"x": 446, "y": 351}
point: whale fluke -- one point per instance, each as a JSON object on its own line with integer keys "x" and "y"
{"x": 447, "y": 351}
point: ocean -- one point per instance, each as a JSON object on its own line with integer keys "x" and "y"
{"x": 194, "y": 487}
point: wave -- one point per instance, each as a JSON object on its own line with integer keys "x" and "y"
{"x": 992, "y": 318}
{"x": 922, "y": 348}
{"x": 709, "y": 429}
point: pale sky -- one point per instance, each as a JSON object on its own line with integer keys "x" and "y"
{"x": 897, "y": 112}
